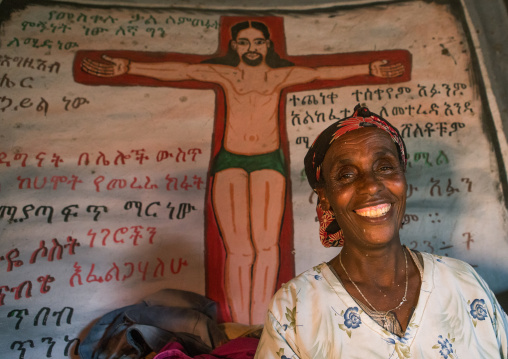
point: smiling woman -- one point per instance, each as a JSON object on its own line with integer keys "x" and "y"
{"x": 377, "y": 298}
{"x": 363, "y": 183}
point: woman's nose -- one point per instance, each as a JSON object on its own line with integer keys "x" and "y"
{"x": 371, "y": 184}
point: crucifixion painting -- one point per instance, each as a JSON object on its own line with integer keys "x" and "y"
{"x": 248, "y": 215}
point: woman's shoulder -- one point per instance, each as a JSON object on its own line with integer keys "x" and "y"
{"x": 448, "y": 263}
{"x": 305, "y": 279}
{"x": 300, "y": 286}
{"x": 457, "y": 271}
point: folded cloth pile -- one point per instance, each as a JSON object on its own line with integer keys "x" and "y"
{"x": 168, "y": 316}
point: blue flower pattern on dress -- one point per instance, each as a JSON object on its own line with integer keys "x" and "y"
{"x": 352, "y": 319}
{"x": 446, "y": 347}
{"x": 395, "y": 339}
{"x": 280, "y": 353}
{"x": 400, "y": 347}
{"x": 478, "y": 310}
{"x": 315, "y": 276}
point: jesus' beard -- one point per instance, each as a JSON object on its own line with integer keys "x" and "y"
{"x": 252, "y": 62}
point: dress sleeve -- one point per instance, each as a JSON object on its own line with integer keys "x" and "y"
{"x": 502, "y": 331}
{"x": 499, "y": 318}
{"x": 275, "y": 342}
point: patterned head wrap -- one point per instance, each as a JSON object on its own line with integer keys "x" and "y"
{"x": 329, "y": 231}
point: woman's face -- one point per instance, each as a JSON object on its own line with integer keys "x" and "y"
{"x": 365, "y": 186}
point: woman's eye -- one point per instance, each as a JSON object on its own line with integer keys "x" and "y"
{"x": 345, "y": 176}
{"x": 386, "y": 166}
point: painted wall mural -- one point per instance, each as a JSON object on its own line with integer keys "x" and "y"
{"x": 144, "y": 149}
{"x": 248, "y": 170}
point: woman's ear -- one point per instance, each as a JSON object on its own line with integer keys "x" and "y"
{"x": 323, "y": 200}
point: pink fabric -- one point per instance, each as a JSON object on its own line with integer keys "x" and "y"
{"x": 239, "y": 348}
{"x": 172, "y": 350}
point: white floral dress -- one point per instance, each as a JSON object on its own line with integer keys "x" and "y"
{"x": 457, "y": 316}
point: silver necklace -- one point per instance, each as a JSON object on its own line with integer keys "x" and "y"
{"x": 404, "y": 299}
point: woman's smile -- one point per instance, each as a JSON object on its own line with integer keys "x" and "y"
{"x": 374, "y": 211}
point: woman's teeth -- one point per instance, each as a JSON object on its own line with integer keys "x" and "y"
{"x": 374, "y": 211}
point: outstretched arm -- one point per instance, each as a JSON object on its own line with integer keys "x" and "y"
{"x": 166, "y": 71}
{"x": 380, "y": 68}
